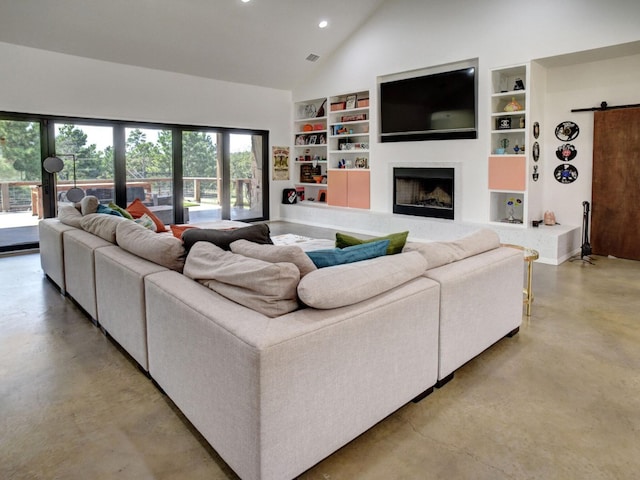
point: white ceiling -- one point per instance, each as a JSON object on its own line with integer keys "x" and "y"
{"x": 262, "y": 42}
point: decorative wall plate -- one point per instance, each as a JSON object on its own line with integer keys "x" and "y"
{"x": 536, "y": 151}
{"x": 567, "y": 131}
{"x": 536, "y": 130}
{"x": 565, "y": 173}
{"x": 566, "y": 152}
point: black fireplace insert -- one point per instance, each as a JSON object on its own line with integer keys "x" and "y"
{"x": 425, "y": 192}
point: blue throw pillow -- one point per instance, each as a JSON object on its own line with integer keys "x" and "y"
{"x": 339, "y": 256}
{"x": 108, "y": 211}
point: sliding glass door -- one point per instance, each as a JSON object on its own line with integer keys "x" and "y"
{"x": 246, "y": 176}
{"x": 87, "y": 155}
{"x": 20, "y": 184}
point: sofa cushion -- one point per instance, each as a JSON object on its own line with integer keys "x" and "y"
{"x": 164, "y": 250}
{"x": 396, "y": 241}
{"x": 108, "y": 211}
{"x": 223, "y": 238}
{"x": 178, "y": 230}
{"x": 147, "y": 222}
{"x": 275, "y": 254}
{"x": 355, "y": 253}
{"x": 137, "y": 209}
{"x": 268, "y": 288}
{"x": 441, "y": 253}
{"x": 342, "y": 285}
{"x": 89, "y": 204}
{"x": 122, "y": 211}
{"x": 69, "y": 215}
{"x": 103, "y": 226}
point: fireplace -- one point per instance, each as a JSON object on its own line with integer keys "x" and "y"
{"x": 425, "y": 192}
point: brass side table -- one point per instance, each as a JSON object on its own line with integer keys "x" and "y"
{"x": 530, "y": 256}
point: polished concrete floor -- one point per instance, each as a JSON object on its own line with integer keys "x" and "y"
{"x": 560, "y": 400}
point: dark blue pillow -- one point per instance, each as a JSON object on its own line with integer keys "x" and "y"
{"x": 107, "y": 210}
{"x": 339, "y": 256}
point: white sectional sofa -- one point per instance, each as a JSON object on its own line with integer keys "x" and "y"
{"x": 276, "y": 393}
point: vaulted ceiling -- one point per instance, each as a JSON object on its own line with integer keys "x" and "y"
{"x": 260, "y": 42}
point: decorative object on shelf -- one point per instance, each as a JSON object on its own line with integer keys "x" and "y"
{"x": 504, "y": 123}
{"x": 335, "y": 107}
{"x": 565, "y": 173}
{"x": 519, "y": 85}
{"x": 567, "y": 131}
{"x": 342, "y": 163}
{"x": 513, "y": 106}
{"x": 301, "y": 140}
{"x": 535, "y": 175}
{"x": 322, "y": 139}
{"x": 289, "y": 196}
{"x": 308, "y": 171}
{"x": 353, "y": 118}
{"x": 318, "y": 126}
{"x": 310, "y": 110}
{"x": 363, "y": 102}
{"x": 512, "y": 203}
{"x": 319, "y": 178}
{"x": 516, "y": 149}
{"x": 549, "y": 218}
{"x": 536, "y": 130}
{"x": 536, "y": 151}
{"x": 351, "y": 102}
{"x": 307, "y": 127}
{"x": 566, "y": 152}
{"x": 312, "y": 140}
{"x": 321, "y": 112}
{"x": 503, "y": 143}
{"x": 521, "y": 122}
{"x": 361, "y": 162}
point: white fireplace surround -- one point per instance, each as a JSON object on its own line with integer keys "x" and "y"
{"x": 555, "y": 244}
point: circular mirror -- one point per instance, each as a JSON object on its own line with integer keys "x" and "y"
{"x": 75, "y": 194}
{"x": 53, "y": 164}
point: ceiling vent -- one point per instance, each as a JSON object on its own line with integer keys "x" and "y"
{"x": 313, "y": 57}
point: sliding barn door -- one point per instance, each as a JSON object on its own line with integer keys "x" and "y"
{"x": 615, "y": 212}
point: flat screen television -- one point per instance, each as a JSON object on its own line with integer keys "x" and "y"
{"x": 432, "y": 106}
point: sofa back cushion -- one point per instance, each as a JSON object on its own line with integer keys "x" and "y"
{"x": 162, "y": 249}
{"x": 69, "y": 215}
{"x": 441, "y": 253}
{"x": 268, "y": 288}
{"x": 342, "y": 285}
{"x": 103, "y": 226}
{"x": 275, "y": 254}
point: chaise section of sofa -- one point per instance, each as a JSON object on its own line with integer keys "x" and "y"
{"x": 274, "y": 396}
{"x": 50, "y": 232}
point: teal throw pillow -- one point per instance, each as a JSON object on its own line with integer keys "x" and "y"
{"x": 356, "y": 253}
{"x": 396, "y": 241}
{"x": 108, "y": 211}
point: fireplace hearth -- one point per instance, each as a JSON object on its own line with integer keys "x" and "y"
{"x": 424, "y": 191}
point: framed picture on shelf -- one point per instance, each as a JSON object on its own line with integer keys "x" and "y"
{"x": 312, "y": 140}
{"x": 351, "y": 102}
{"x": 362, "y": 162}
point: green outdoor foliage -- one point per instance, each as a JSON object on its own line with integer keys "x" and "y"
{"x": 19, "y": 151}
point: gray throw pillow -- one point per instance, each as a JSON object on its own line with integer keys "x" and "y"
{"x": 223, "y": 238}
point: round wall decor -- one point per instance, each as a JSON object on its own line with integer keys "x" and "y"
{"x": 536, "y": 151}
{"x": 566, "y": 152}
{"x": 565, "y": 173}
{"x": 536, "y": 130}
{"x": 567, "y": 131}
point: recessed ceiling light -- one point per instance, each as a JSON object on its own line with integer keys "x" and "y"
{"x": 323, "y": 24}
{"x": 246, "y": 1}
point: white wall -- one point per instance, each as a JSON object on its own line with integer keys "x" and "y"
{"x": 409, "y": 34}
{"x": 616, "y": 81}
{"x": 36, "y": 81}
